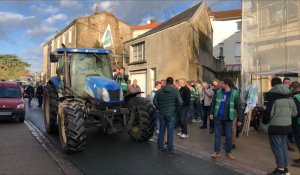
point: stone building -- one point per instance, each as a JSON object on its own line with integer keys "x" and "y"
{"x": 180, "y": 47}
{"x": 85, "y": 32}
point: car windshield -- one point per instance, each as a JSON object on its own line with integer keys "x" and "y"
{"x": 10, "y": 92}
{"x": 90, "y": 64}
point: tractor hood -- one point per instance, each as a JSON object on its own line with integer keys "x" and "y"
{"x": 93, "y": 82}
{"x": 103, "y": 89}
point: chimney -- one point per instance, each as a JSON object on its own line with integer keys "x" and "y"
{"x": 96, "y": 10}
{"x": 111, "y": 12}
{"x": 151, "y": 21}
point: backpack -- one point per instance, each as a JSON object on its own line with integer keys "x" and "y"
{"x": 270, "y": 98}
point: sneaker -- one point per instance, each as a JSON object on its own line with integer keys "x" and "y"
{"x": 165, "y": 144}
{"x": 286, "y": 171}
{"x": 194, "y": 120}
{"x": 157, "y": 131}
{"x": 230, "y": 156}
{"x": 184, "y": 136}
{"x": 203, "y": 127}
{"x": 179, "y": 134}
{"x": 173, "y": 154}
{"x": 278, "y": 172}
{"x": 211, "y": 131}
{"x": 162, "y": 151}
{"x": 297, "y": 164}
{"x": 215, "y": 155}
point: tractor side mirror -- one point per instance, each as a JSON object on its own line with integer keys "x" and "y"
{"x": 53, "y": 58}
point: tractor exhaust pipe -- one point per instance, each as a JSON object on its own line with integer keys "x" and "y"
{"x": 67, "y": 83}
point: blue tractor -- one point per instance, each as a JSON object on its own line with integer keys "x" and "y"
{"x": 84, "y": 95}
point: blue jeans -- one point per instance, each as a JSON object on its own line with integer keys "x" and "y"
{"x": 279, "y": 148}
{"x": 168, "y": 123}
{"x": 183, "y": 119}
{"x": 206, "y": 113}
{"x": 191, "y": 113}
{"x": 156, "y": 117}
{"x": 199, "y": 110}
{"x": 219, "y": 125}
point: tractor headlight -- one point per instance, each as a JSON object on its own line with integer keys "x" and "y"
{"x": 99, "y": 92}
{"x": 105, "y": 95}
{"x": 121, "y": 95}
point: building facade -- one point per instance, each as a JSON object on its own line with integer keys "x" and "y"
{"x": 86, "y": 32}
{"x": 180, "y": 47}
{"x": 271, "y": 42}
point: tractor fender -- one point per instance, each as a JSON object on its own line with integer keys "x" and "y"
{"x": 131, "y": 95}
{"x": 56, "y": 82}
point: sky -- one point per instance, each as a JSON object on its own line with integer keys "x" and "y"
{"x": 25, "y": 25}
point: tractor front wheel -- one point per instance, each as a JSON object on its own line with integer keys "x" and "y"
{"x": 71, "y": 126}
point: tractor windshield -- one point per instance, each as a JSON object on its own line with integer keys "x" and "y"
{"x": 84, "y": 65}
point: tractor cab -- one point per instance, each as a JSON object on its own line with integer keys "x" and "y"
{"x": 90, "y": 74}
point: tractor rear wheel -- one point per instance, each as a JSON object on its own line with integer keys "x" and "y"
{"x": 71, "y": 126}
{"x": 50, "y": 109}
{"x": 143, "y": 125}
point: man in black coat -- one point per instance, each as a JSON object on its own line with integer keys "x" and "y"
{"x": 186, "y": 97}
{"x": 39, "y": 94}
{"x": 30, "y": 92}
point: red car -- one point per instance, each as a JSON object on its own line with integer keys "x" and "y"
{"x": 12, "y": 103}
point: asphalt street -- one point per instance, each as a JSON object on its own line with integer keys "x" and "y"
{"x": 118, "y": 154}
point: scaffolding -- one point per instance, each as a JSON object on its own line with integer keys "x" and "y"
{"x": 270, "y": 41}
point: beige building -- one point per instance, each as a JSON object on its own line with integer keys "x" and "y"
{"x": 84, "y": 32}
{"x": 180, "y": 47}
{"x": 271, "y": 41}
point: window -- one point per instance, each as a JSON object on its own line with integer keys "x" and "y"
{"x": 239, "y": 25}
{"x": 52, "y": 46}
{"x": 70, "y": 36}
{"x": 58, "y": 43}
{"x": 138, "y": 52}
{"x": 221, "y": 49}
{"x": 237, "y": 49}
{"x": 10, "y": 92}
{"x": 64, "y": 39}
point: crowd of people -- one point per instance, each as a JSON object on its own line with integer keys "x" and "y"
{"x": 218, "y": 107}
{"x": 32, "y": 92}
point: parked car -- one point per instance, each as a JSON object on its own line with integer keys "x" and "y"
{"x": 12, "y": 103}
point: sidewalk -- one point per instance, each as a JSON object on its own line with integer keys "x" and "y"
{"x": 253, "y": 153}
{"x": 21, "y": 153}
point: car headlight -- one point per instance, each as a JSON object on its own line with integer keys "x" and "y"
{"x": 21, "y": 106}
{"x": 121, "y": 95}
{"x": 105, "y": 95}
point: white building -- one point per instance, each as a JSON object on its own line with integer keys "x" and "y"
{"x": 227, "y": 37}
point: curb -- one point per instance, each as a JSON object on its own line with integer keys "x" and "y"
{"x": 234, "y": 165}
{"x": 60, "y": 158}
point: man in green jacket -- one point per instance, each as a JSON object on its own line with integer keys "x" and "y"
{"x": 225, "y": 104}
{"x": 167, "y": 101}
{"x": 282, "y": 110}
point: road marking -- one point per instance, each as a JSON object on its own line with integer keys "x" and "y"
{"x": 58, "y": 156}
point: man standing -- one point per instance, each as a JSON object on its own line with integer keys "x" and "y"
{"x": 134, "y": 88}
{"x": 167, "y": 101}
{"x": 40, "y": 93}
{"x": 155, "y": 113}
{"x": 280, "y": 108}
{"x": 208, "y": 94}
{"x": 122, "y": 79}
{"x": 30, "y": 92}
{"x": 186, "y": 97}
{"x": 296, "y": 122}
{"x": 225, "y": 104}
{"x": 199, "y": 106}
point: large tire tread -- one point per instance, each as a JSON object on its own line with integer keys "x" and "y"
{"x": 75, "y": 127}
{"x": 51, "y": 92}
